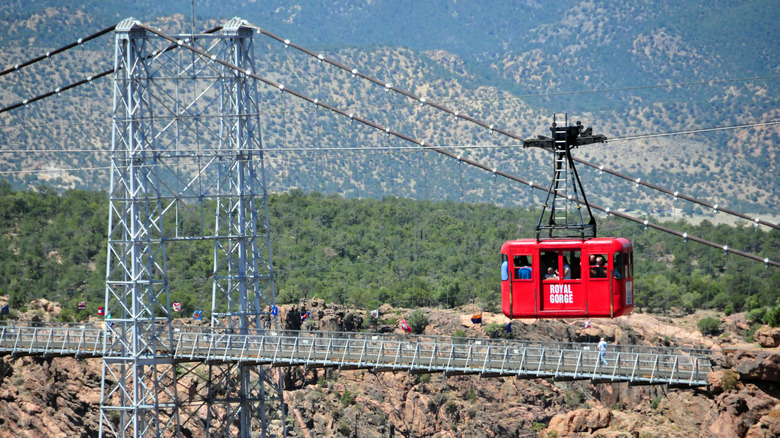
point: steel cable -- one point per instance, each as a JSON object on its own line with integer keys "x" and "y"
{"x": 80, "y": 41}
{"x": 421, "y": 143}
{"x": 493, "y": 128}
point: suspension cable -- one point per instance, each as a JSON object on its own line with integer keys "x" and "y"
{"x": 493, "y": 128}
{"x": 56, "y": 51}
{"x": 421, "y": 143}
{"x": 696, "y": 131}
{"x": 56, "y": 91}
{"x": 389, "y": 87}
{"x": 422, "y": 100}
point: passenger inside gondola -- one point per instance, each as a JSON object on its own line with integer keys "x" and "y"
{"x": 576, "y": 271}
{"x": 566, "y": 275}
{"x": 617, "y": 266}
{"x": 522, "y": 268}
{"x": 548, "y": 260}
{"x": 597, "y": 267}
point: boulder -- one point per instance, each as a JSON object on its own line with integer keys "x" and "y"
{"x": 580, "y": 420}
{"x": 767, "y": 337}
{"x": 768, "y": 426}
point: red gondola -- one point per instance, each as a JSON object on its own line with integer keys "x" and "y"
{"x": 568, "y": 273}
{"x": 567, "y": 278}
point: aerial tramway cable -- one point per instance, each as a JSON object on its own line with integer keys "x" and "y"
{"x": 492, "y": 128}
{"x": 351, "y": 116}
{"x": 752, "y": 273}
{"x": 388, "y": 87}
{"x": 410, "y": 139}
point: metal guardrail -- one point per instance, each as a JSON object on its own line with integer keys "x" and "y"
{"x": 51, "y": 341}
{"x": 415, "y": 354}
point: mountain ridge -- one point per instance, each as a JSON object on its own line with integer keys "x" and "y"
{"x": 512, "y": 74}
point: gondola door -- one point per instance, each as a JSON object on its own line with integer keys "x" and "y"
{"x": 525, "y": 284}
{"x": 520, "y": 280}
{"x": 563, "y": 293}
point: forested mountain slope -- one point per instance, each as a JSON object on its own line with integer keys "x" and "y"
{"x": 627, "y": 68}
{"x": 367, "y": 253}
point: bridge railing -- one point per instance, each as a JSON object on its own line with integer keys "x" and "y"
{"x": 585, "y": 346}
{"x": 76, "y": 341}
{"x": 416, "y": 354}
{"x": 189, "y": 328}
{"x": 421, "y": 355}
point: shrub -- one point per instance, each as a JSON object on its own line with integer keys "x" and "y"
{"x": 537, "y": 427}
{"x": 392, "y": 322}
{"x": 709, "y": 326}
{"x": 344, "y": 429}
{"x": 451, "y": 407}
{"x": 459, "y": 336}
{"x": 418, "y": 321}
{"x": 752, "y": 303}
{"x": 574, "y": 398}
{"x": 730, "y": 380}
{"x": 66, "y": 315}
{"x": 495, "y": 330}
{"x": 748, "y": 335}
{"x": 756, "y": 315}
{"x": 347, "y": 398}
{"x": 772, "y": 317}
{"x": 655, "y": 402}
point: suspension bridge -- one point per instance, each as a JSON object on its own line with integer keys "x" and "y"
{"x": 562, "y": 361}
{"x": 174, "y": 94}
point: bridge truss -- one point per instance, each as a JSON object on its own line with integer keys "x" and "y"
{"x": 169, "y": 105}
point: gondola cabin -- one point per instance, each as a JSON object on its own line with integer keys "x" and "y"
{"x": 567, "y": 278}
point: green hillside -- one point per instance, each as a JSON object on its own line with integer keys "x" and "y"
{"x": 367, "y": 253}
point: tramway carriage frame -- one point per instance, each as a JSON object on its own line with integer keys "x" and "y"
{"x": 566, "y": 271}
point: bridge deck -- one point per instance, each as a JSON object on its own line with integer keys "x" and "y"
{"x": 415, "y": 354}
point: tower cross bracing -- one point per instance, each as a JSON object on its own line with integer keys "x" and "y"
{"x": 169, "y": 106}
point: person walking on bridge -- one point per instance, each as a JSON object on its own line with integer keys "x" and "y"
{"x": 602, "y": 347}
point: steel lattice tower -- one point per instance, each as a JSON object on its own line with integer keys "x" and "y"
{"x": 186, "y": 136}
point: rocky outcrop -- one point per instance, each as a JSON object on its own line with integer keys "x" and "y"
{"x": 50, "y": 397}
{"x": 580, "y": 420}
{"x": 767, "y": 337}
{"x": 61, "y": 396}
{"x": 753, "y": 364}
{"x": 722, "y": 380}
{"x": 399, "y": 404}
{"x": 735, "y": 412}
{"x": 768, "y": 426}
